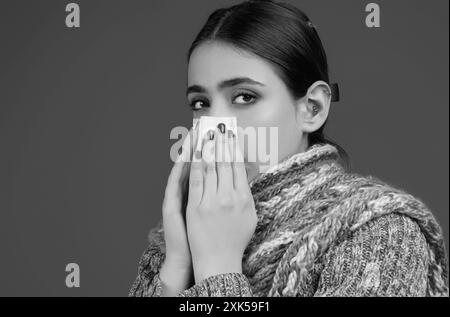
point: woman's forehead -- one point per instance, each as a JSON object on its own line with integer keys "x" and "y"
{"x": 211, "y": 63}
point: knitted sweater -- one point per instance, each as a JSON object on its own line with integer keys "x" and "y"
{"x": 323, "y": 231}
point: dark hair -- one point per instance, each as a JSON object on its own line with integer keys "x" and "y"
{"x": 281, "y": 34}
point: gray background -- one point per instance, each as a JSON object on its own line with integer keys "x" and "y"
{"x": 85, "y": 116}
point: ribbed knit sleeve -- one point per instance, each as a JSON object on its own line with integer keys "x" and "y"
{"x": 221, "y": 285}
{"x": 147, "y": 282}
{"x": 385, "y": 257}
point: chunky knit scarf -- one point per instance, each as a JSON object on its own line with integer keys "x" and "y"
{"x": 307, "y": 205}
{"x": 308, "y": 202}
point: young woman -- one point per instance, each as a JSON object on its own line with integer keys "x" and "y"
{"x": 305, "y": 227}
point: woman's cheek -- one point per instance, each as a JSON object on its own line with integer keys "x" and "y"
{"x": 279, "y": 135}
{"x": 255, "y": 137}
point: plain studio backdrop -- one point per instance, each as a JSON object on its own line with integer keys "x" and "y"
{"x": 86, "y": 113}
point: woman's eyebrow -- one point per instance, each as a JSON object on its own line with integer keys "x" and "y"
{"x": 224, "y": 84}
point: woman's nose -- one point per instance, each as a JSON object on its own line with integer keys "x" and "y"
{"x": 220, "y": 109}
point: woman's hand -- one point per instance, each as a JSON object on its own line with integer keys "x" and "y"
{"x": 220, "y": 215}
{"x": 176, "y": 271}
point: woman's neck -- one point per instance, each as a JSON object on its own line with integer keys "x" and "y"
{"x": 254, "y": 171}
{"x": 298, "y": 167}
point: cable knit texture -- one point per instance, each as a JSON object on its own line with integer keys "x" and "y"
{"x": 323, "y": 231}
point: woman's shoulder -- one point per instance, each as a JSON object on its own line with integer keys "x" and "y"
{"x": 384, "y": 214}
{"x": 387, "y": 256}
{"x": 371, "y": 186}
{"x": 387, "y": 232}
{"x": 377, "y": 196}
{"x": 369, "y": 197}
{"x": 388, "y": 217}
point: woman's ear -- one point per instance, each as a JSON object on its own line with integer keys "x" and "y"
{"x": 313, "y": 108}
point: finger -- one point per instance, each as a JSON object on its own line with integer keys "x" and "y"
{"x": 238, "y": 164}
{"x": 186, "y": 154}
{"x": 195, "y": 180}
{"x": 223, "y": 161}
{"x": 177, "y": 186}
{"x": 190, "y": 147}
{"x": 192, "y": 142}
{"x": 209, "y": 164}
{"x": 179, "y": 170}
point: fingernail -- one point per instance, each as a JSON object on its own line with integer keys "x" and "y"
{"x": 230, "y": 134}
{"x": 221, "y": 127}
{"x": 198, "y": 155}
{"x": 211, "y": 134}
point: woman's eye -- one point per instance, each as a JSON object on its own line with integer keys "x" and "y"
{"x": 245, "y": 98}
{"x": 197, "y": 105}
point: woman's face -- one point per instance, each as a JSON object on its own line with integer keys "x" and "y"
{"x": 223, "y": 81}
